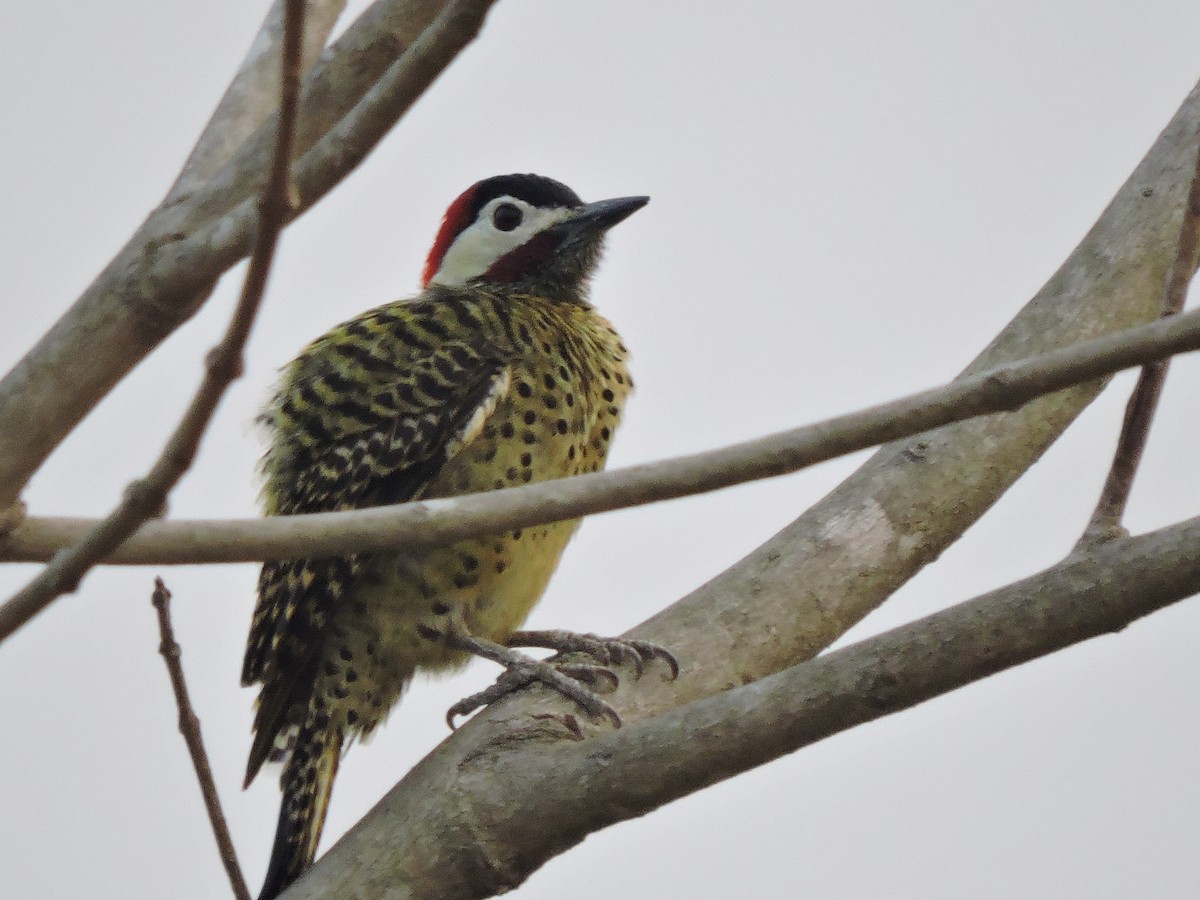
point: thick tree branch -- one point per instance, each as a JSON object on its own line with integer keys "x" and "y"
{"x": 254, "y": 93}
{"x": 145, "y": 498}
{"x": 169, "y": 266}
{"x": 433, "y": 522}
{"x": 504, "y": 797}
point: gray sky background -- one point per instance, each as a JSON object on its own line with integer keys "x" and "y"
{"x": 849, "y": 200}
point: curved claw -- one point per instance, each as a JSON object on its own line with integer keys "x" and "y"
{"x": 647, "y": 650}
{"x": 510, "y": 681}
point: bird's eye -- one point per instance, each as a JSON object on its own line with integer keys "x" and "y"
{"x": 506, "y": 217}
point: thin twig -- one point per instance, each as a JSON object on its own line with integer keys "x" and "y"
{"x": 433, "y": 522}
{"x": 1106, "y": 519}
{"x": 145, "y": 498}
{"x": 189, "y": 727}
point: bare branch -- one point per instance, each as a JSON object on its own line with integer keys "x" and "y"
{"x": 432, "y": 522}
{"x": 189, "y": 727}
{"x": 1105, "y": 522}
{"x": 254, "y": 92}
{"x": 144, "y": 499}
{"x": 509, "y": 792}
{"x": 167, "y": 270}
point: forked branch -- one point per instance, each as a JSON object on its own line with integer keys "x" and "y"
{"x": 1105, "y": 522}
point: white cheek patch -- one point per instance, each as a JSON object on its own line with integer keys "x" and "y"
{"x": 481, "y": 243}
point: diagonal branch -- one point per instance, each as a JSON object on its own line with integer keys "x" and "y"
{"x": 145, "y": 499}
{"x": 505, "y": 795}
{"x": 254, "y": 93}
{"x": 428, "y": 523}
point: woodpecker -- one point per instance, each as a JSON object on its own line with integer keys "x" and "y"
{"x": 499, "y": 373}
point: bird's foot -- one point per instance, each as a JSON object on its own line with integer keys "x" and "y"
{"x": 577, "y": 682}
{"x": 606, "y": 651}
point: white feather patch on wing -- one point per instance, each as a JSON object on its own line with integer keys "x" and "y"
{"x": 284, "y": 743}
{"x": 474, "y": 425}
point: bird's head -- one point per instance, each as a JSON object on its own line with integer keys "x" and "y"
{"x": 523, "y": 230}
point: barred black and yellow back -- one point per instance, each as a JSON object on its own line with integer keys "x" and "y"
{"x": 469, "y": 387}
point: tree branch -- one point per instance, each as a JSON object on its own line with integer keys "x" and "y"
{"x": 1105, "y": 522}
{"x": 433, "y": 522}
{"x": 189, "y": 727}
{"x": 145, "y": 499}
{"x": 507, "y": 794}
{"x": 253, "y": 94}
{"x": 170, "y": 265}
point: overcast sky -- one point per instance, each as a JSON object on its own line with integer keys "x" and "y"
{"x": 849, "y": 200}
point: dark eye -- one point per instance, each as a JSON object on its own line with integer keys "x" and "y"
{"x": 506, "y": 217}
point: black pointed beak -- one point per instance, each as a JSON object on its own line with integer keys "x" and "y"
{"x": 594, "y": 219}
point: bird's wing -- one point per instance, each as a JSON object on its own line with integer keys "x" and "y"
{"x": 353, "y": 427}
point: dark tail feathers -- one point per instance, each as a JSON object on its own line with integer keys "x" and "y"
{"x": 307, "y": 783}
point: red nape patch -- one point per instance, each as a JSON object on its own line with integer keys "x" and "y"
{"x": 523, "y": 260}
{"x": 457, "y": 218}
